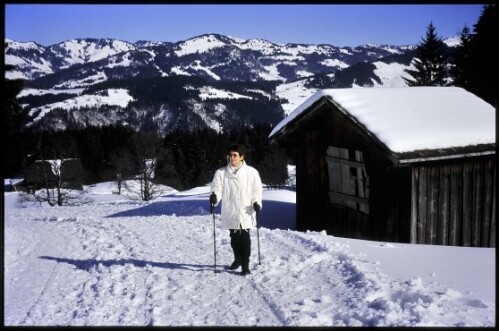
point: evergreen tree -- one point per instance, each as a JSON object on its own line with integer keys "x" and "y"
{"x": 14, "y": 118}
{"x": 429, "y": 61}
{"x": 91, "y": 152}
{"x": 483, "y": 56}
{"x": 165, "y": 171}
{"x": 98, "y": 147}
{"x": 14, "y": 114}
{"x": 273, "y": 167}
{"x": 460, "y": 70}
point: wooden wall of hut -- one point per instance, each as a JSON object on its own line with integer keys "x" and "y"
{"x": 453, "y": 203}
{"x": 390, "y": 187}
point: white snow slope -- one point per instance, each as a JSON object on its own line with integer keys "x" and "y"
{"x": 119, "y": 262}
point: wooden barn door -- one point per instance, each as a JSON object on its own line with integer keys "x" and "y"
{"x": 348, "y": 180}
{"x": 348, "y": 193}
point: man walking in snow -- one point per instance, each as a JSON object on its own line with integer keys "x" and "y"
{"x": 239, "y": 187}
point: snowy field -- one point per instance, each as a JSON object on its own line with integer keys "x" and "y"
{"x": 120, "y": 262}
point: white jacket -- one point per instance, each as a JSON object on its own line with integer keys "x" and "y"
{"x": 237, "y": 192}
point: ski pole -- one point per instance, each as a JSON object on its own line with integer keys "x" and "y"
{"x": 258, "y": 235}
{"x": 214, "y": 240}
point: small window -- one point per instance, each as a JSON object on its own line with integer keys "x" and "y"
{"x": 348, "y": 180}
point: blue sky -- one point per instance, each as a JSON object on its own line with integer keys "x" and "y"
{"x": 335, "y": 24}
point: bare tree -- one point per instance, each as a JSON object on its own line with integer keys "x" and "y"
{"x": 56, "y": 180}
{"x": 122, "y": 163}
{"x": 143, "y": 185}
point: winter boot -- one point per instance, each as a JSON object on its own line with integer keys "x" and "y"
{"x": 236, "y": 264}
{"x": 246, "y": 270}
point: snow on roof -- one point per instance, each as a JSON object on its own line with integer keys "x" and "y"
{"x": 408, "y": 119}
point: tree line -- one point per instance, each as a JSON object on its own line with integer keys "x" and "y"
{"x": 181, "y": 159}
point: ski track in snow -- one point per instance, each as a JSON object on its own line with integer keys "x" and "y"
{"x": 151, "y": 271}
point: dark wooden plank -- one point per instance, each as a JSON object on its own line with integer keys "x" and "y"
{"x": 334, "y": 170}
{"x": 347, "y": 182}
{"x": 347, "y": 162}
{"x": 361, "y": 182}
{"x": 348, "y": 198}
{"x": 443, "y": 205}
{"x": 487, "y": 202}
{"x": 467, "y": 203}
{"x": 352, "y": 222}
{"x": 414, "y": 206}
{"x": 492, "y": 241}
{"x": 301, "y": 192}
{"x": 456, "y": 204}
{"x": 313, "y": 185}
{"x": 476, "y": 217}
{"x": 432, "y": 205}
{"x": 422, "y": 205}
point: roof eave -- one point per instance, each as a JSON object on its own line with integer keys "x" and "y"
{"x": 446, "y": 154}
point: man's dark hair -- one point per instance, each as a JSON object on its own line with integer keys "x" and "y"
{"x": 238, "y": 148}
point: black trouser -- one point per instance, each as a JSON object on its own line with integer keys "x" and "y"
{"x": 241, "y": 245}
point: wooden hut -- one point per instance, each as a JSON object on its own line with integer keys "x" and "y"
{"x": 414, "y": 164}
{"x": 66, "y": 173}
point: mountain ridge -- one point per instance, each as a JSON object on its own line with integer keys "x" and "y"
{"x": 61, "y": 76}
{"x": 77, "y": 50}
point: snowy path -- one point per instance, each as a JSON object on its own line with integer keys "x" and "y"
{"x": 114, "y": 273}
{"x": 124, "y": 263}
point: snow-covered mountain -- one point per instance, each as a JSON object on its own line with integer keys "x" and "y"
{"x": 33, "y": 60}
{"x": 211, "y": 56}
{"x": 227, "y": 73}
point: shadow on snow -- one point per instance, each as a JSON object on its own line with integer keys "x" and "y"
{"x": 88, "y": 264}
{"x": 274, "y": 214}
{"x": 183, "y": 207}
